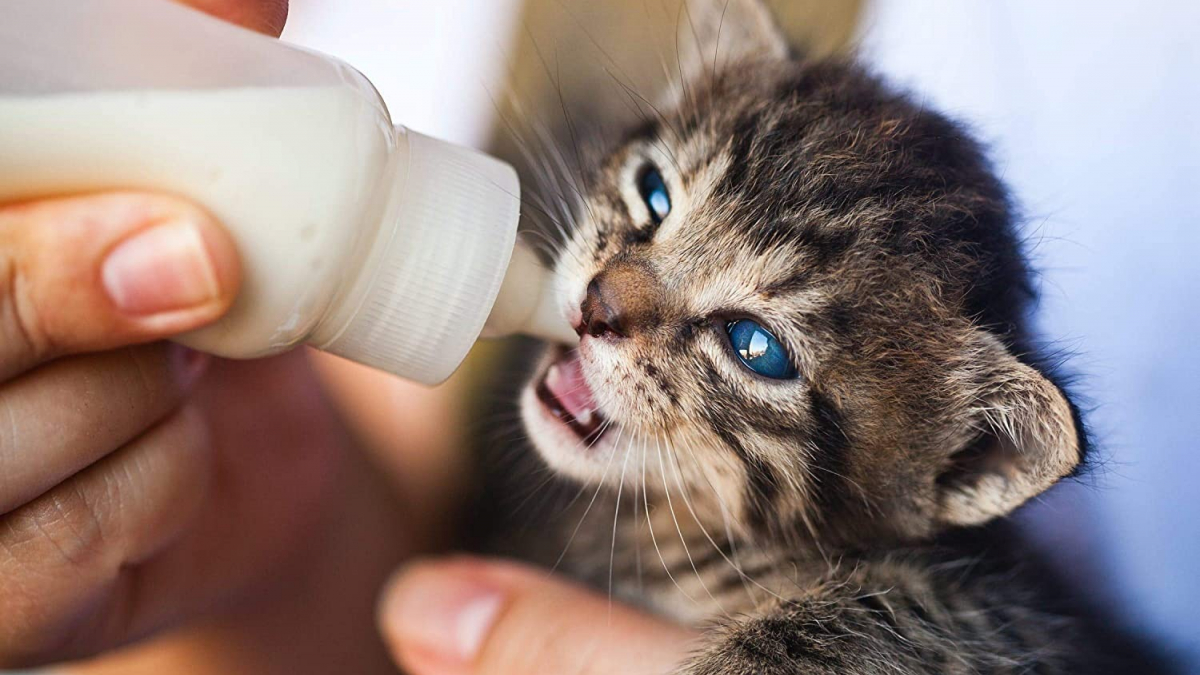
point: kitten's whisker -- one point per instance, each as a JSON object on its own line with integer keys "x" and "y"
{"x": 550, "y": 476}
{"x": 683, "y": 81}
{"x": 575, "y": 532}
{"x": 542, "y": 172}
{"x": 717, "y": 46}
{"x": 535, "y": 200}
{"x": 728, "y": 513}
{"x": 550, "y": 223}
{"x": 729, "y": 536}
{"x": 557, "y": 82}
{"x": 583, "y": 486}
{"x": 666, "y": 123}
{"x": 612, "y": 554}
{"x": 631, "y": 93}
{"x": 745, "y": 579}
{"x": 552, "y": 159}
{"x": 554, "y": 153}
{"x": 627, "y": 84}
{"x": 546, "y": 179}
{"x": 689, "y": 95}
{"x": 654, "y": 539}
{"x": 683, "y": 540}
{"x": 548, "y": 183}
{"x": 637, "y": 526}
{"x": 547, "y": 245}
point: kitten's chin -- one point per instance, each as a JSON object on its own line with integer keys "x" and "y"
{"x": 563, "y": 421}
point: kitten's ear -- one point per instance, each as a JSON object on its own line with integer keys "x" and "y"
{"x": 713, "y": 33}
{"x": 1024, "y": 435}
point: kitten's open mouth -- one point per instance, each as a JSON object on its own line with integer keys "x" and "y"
{"x": 566, "y": 395}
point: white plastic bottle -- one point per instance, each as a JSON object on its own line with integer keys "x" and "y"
{"x": 358, "y": 237}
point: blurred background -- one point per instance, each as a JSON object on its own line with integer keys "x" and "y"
{"x": 1090, "y": 112}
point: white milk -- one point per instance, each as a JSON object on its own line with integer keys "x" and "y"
{"x": 373, "y": 242}
{"x": 286, "y": 170}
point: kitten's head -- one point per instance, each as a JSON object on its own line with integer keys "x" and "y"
{"x": 800, "y": 297}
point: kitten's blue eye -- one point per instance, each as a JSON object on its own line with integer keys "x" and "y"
{"x": 654, "y": 193}
{"x": 759, "y": 350}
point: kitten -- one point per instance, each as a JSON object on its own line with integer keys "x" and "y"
{"x": 804, "y": 383}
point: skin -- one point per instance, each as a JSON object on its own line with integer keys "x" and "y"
{"x": 158, "y": 514}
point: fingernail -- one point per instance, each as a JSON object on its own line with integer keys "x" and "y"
{"x": 187, "y": 364}
{"x": 162, "y": 269}
{"x": 443, "y": 614}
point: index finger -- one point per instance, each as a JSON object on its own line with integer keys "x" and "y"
{"x": 264, "y": 16}
{"x": 97, "y": 272}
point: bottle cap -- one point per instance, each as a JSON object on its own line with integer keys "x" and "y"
{"x": 446, "y": 240}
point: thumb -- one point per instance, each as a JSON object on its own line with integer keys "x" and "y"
{"x": 107, "y": 270}
{"x": 468, "y": 616}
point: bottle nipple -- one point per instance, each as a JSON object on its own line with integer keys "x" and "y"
{"x": 526, "y": 302}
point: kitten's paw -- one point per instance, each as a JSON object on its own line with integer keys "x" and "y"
{"x": 780, "y": 643}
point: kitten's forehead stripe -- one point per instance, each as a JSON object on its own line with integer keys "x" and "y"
{"x": 646, "y": 132}
{"x": 617, "y": 207}
{"x": 840, "y": 319}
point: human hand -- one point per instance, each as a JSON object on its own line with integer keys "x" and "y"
{"x": 104, "y": 460}
{"x": 475, "y": 617}
{"x": 134, "y": 492}
{"x": 147, "y": 487}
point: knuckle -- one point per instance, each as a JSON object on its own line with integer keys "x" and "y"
{"x": 20, "y": 329}
{"x": 38, "y": 543}
{"x": 63, "y": 528}
{"x": 55, "y": 559}
{"x": 69, "y": 571}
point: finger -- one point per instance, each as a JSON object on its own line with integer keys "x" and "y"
{"x": 69, "y": 561}
{"x": 102, "y": 271}
{"x": 467, "y": 617}
{"x": 264, "y": 16}
{"x": 65, "y": 416}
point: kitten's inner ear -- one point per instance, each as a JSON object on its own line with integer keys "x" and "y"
{"x": 1025, "y": 439}
{"x": 714, "y": 33}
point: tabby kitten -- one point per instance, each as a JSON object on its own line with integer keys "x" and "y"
{"x": 803, "y": 383}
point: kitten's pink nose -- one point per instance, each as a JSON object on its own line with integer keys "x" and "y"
{"x": 621, "y": 301}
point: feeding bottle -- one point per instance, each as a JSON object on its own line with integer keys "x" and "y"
{"x": 357, "y": 236}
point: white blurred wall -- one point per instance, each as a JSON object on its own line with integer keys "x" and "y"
{"x": 434, "y": 61}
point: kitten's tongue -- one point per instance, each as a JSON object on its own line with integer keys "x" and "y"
{"x": 565, "y": 382}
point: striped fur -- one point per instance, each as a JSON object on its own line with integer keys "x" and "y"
{"x": 815, "y": 524}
